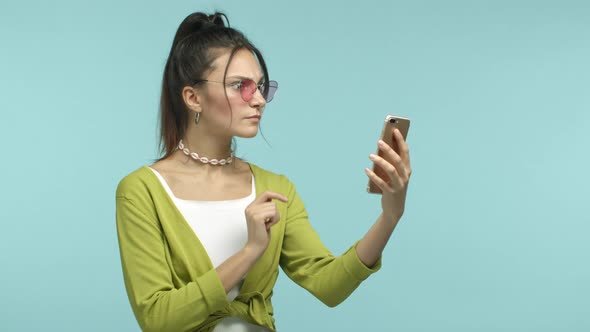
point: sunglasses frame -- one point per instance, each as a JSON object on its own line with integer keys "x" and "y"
{"x": 270, "y": 84}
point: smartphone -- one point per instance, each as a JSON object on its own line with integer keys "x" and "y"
{"x": 391, "y": 121}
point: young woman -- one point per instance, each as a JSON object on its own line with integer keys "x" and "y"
{"x": 202, "y": 233}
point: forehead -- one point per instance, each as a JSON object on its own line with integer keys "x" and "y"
{"x": 243, "y": 63}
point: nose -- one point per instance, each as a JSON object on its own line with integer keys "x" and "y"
{"x": 257, "y": 99}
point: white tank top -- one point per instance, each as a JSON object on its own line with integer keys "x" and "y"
{"x": 221, "y": 228}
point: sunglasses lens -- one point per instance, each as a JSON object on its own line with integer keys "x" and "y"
{"x": 269, "y": 88}
{"x": 248, "y": 88}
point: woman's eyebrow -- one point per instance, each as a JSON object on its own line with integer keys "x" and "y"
{"x": 245, "y": 77}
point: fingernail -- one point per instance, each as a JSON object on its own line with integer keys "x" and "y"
{"x": 381, "y": 142}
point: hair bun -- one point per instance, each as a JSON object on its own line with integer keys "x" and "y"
{"x": 217, "y": 19}
{"x": 199, "y": 21}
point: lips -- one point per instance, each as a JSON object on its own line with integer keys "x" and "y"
{"x": 254, "y": 117}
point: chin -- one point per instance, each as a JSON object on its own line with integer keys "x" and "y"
{"x": 247, "y": 133}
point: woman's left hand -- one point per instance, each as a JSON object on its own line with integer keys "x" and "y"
{"x": 397, "y": 166}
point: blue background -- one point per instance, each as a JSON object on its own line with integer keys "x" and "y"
{"x": 495, "y": 234}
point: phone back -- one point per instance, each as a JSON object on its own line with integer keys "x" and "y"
{"x": 391, "y": 122}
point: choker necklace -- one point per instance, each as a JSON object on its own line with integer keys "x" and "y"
{"x": 206, "y": 160}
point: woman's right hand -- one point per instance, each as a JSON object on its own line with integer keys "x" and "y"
{"x": 261, "y": 214}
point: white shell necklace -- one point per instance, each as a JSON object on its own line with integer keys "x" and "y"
{"x": 206, "y": 160}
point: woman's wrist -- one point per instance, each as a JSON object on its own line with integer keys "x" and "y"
{"x": 252, "y": 253}
{"x": 390, "y": 218}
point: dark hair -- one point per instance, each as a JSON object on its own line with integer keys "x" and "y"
{"x": 197, "y": 43}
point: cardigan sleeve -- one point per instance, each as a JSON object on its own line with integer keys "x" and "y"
{"x": 307, "y": 262}
{"x": 156, "y": 303}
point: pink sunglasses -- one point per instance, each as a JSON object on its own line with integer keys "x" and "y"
{"x": 248, "y": 88}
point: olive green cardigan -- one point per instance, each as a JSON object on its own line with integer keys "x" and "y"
{"x": 172, "y": 284}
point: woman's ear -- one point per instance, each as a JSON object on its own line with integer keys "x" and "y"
{"x": 192, "y": 99}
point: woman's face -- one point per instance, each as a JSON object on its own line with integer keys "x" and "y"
{"x": 216, "y": 115}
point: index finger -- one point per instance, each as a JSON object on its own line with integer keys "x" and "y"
{"x": 269, "y": 195}
{"x": 404, "y": 150}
